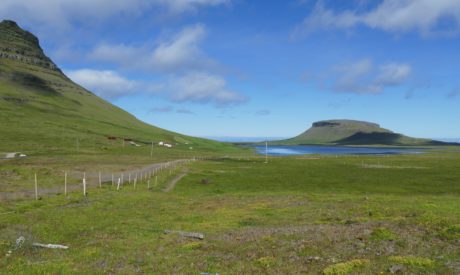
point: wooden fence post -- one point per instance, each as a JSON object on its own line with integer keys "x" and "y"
{"x": 100, "y": 180}
{"x": 118, "y": 185}
{"x": 84, "y": 184}
{"x": 112, "y": 180}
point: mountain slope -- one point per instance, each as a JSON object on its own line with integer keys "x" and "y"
{"x": 352, "y": 132}
{"x": 41, "y": 109}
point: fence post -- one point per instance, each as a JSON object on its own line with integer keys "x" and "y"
{"x": 100, "y": 180}
{"x": 84, "y": 184}
{"x": 118, "y": 185}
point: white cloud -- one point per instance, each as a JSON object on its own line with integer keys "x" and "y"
{"x": 108, "y": 84}
{"x": 393, "y": 74}
{"x": 198, "y": 87}
{"x": 61, "y": 14}
{"x": 119, "y": 54}
{"x": 179, "y": 60}
{"x": 203, "y": 88}
{"x": 180, "y": 53}
{"x": 363, "y": 76}
{"x": 427, "y": 17}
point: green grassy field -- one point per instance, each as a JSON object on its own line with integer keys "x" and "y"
{"x": 306, "y": 214}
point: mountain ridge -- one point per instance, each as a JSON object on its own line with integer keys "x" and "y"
{"x": 353, "y": 132}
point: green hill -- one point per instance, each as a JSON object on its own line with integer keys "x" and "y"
{"x": 42, "y": 110}
{"x": 352, "y": 132}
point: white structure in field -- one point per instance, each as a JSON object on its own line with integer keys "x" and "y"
{"x": 161, "y": 143}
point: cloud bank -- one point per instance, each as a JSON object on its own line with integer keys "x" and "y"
{"x": 61, "y": 14}
{"x": 180, "y": 53}
{"x": 428, "y": 17}
{"x": 364, "y": 77}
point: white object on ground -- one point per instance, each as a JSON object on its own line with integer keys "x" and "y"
{"x": 52, "y": 246}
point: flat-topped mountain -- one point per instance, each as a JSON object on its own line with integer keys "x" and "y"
{"x": 352, "y": 132}
{"x": 42, "y": 109}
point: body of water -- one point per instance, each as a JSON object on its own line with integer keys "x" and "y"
{"x": 334, "y": 150}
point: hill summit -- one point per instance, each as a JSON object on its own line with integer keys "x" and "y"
{"x": 23, "y": 46}
{"x": 352, "y": 132}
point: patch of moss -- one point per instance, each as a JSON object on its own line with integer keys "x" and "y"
{"x": 383, "y": 234}
{"x": 451, "y": 232}
{"x": 265, "y": 261}
{"x": 413, "y": 261}
{"x": 346, "y": 267}
{"x": 192, "y": 246}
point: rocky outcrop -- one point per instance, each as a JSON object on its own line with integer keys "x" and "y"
{"x": 333, "y": 123}
{"x": 22, "y": 46}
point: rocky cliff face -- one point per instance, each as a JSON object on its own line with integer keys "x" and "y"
{"x": 20, "y": 45}
{"x": 334, "y": 123}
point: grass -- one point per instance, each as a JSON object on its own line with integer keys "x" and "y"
{"x": 293, "y": 215}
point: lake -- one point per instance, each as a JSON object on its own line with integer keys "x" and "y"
{"x": 334, "y": 150}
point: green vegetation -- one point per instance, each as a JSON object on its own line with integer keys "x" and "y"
{"x": 345, "y": 268}
{"x": 352, "y": 132}
{"x": 293, "y": 215}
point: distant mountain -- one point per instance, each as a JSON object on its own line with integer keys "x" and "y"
{"x": 353, "y": 132}
{"x": 42, "y": 109}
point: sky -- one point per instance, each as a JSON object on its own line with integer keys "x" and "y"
{"x": 240, "y": 68}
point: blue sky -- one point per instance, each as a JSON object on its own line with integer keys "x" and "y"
{"x": 260, "y": 68}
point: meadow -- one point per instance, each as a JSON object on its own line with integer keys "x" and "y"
{"x": 304, "y": 214}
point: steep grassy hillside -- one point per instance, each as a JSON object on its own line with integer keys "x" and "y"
{"x": 352, "y": 132}
{"x": 43, "y": 111}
